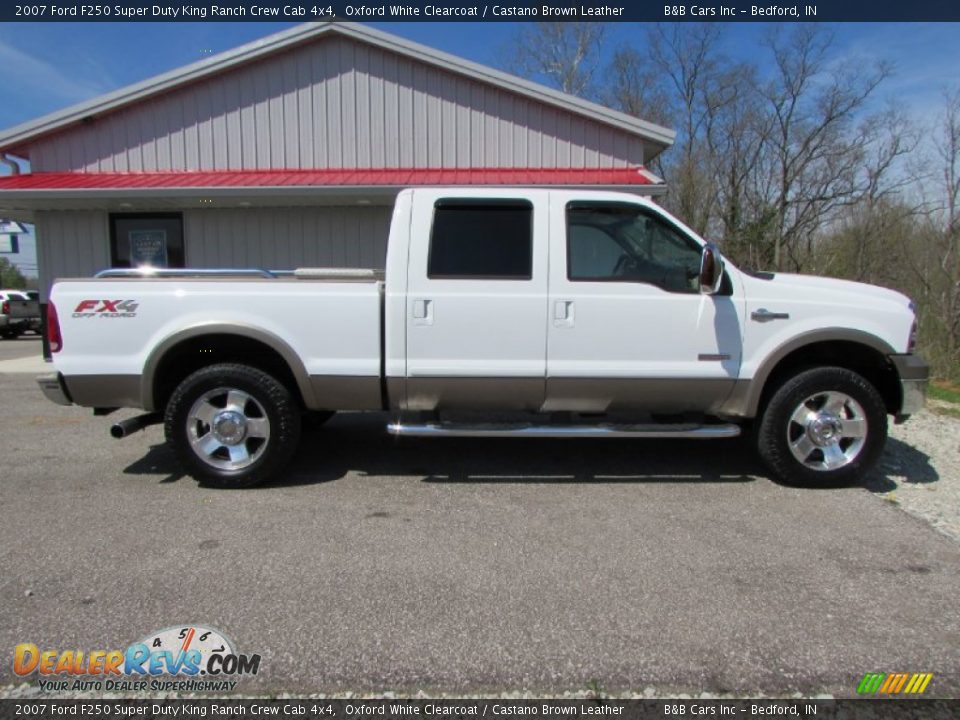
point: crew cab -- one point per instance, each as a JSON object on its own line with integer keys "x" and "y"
{"x": 19, "y": 312}
{"x": 502, "y": 312}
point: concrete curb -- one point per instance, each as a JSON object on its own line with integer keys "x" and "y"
{"x": 34, "y": 365}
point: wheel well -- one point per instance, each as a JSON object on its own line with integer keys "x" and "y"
{"x": 861, "y": 359}
{"x": 192, "y": 354}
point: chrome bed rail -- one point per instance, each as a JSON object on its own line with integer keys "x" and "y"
{"x": 332, "y": 273}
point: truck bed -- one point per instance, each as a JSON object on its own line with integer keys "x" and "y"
{"x": 329, "y": 319}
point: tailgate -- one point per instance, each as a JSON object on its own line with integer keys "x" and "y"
{"x": 23, "y": 309}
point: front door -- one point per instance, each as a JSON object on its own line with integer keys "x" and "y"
{"x": 477, "y": 303}
{"x": 629, "y": 328}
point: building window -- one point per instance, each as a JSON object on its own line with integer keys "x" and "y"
{"x": 146, "y": 240}
{"x": 488, "y": 239}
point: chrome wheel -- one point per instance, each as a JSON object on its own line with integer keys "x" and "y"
{"x": 827, "y": 431}
{"x": 228, "y": 428}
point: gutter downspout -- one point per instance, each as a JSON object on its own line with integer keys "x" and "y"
{"x": 10, "y": 163}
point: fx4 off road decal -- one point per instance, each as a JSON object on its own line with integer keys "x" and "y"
{"x": 106, "y": 309}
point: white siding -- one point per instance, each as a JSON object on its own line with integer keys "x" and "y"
{"x": 71, "y": 243}
{"x": 334, "y": 103}
{"x": 76, "y": 243}
{"x": 287, "y": 238}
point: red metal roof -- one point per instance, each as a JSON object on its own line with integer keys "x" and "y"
{"x": 380, "y": 177}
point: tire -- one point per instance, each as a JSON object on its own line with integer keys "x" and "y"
{"x": 232, "y": 426}
{"x": 831, "y": 417}
{"x": 8, "y": 334}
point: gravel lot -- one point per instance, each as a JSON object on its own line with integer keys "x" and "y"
{"x": 464, "y": 566}
{"x": 920, "y": 472}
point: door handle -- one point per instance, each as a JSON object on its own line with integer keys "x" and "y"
{"x": 563, "y": 313}
{"x": 423, "y": 312}
{"x": 764, "y": 315}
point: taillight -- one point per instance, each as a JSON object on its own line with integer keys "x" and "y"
{"x": 53, "y": 329}
{"x": 5, "y": 308}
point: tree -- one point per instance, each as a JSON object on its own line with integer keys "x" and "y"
{"x": 692, "y": 67}
{"x": 944, "y": 280}
{"x": 817, "y": 145}
{"x": 868, "y": 242}
{"x": 635, "y": 86}
{"x": 10, "y": 276}
{"x": 563, "y": 54}
{"x": 683, "y": 80}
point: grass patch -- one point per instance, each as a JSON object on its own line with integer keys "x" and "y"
{"x": 947, "y": 395}
{"x": 946, "y": 391}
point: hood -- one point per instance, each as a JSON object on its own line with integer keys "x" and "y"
{"x": 827, "y": 290}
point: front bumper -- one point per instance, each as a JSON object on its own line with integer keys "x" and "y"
{"x": 914, "y": 375}
{"x": 53, "y": 387}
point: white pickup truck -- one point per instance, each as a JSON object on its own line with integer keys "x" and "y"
{"x": 19, "y": 313}
{"x": 502, "y": 312}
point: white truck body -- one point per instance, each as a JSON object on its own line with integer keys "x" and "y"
{"x": 643, "y": 337}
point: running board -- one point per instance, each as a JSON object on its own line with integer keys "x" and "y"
{"x": 704, "y": 432}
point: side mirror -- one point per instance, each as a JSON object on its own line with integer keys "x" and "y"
{"x": 711, "y": 270}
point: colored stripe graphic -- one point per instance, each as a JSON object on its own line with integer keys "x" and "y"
{"x": 888, "y": 683}
{"x": 894, "y": 683}
{"x": 898, "y": 685}
{"x": 870, "y": 683}
{"x": 914, "y": 682}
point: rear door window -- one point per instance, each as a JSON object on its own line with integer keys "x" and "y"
{"x": 488, "y": 239}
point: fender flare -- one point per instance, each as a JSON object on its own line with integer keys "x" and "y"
{"x": 289, "y": 355}
{"x": 745, "y": 399}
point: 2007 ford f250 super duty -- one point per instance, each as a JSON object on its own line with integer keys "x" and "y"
{"x": 555, "y": 312}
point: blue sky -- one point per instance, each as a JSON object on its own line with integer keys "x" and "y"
{"x": 47, "y": 66}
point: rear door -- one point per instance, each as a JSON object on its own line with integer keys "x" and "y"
{"x": 477, "y": 300}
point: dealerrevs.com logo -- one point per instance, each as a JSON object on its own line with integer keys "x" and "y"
{"x": 186, "y": 658}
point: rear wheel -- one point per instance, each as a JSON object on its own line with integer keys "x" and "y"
{"x": 826, "y": 426}
{"x": 9, "y": 334}
{"x": 232, "y": 426}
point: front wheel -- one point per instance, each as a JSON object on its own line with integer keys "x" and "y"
{"x": 232, "y": 426}
{"x": 826, "y": 426}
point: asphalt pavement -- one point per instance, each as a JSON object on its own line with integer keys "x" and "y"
{"x": 456, "y": 566}
{"x": 21, "y": 347}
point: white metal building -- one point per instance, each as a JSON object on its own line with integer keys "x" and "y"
{"x": 289, "y": 151}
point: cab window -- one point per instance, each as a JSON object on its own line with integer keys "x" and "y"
{"x": 621, "y": 242}
{"x": 481, "y": 239}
